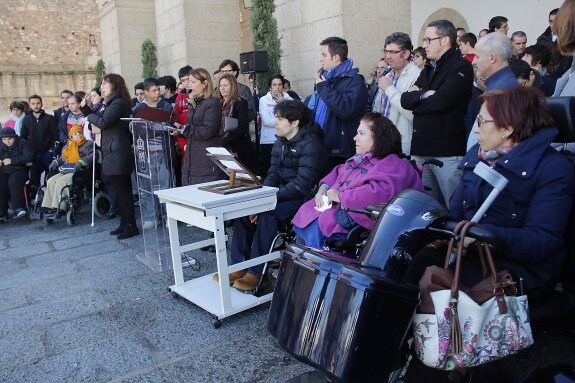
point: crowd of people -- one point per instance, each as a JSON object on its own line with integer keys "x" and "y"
{"x": 344, "y": 146}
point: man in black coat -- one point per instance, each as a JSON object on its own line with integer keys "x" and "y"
{"x": 297, "y": 164}
{"x": 439, "y": 100}
{"x": 40, "y": 130}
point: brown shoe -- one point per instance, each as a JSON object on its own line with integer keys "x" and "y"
{"x": 233, "y": 276}
{"x": 247, "y": 283}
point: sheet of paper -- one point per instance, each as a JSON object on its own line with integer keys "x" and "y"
{"x": 232, "y": 165}
{"x": 218, "y": 150}
{"x": 325, "y": 205}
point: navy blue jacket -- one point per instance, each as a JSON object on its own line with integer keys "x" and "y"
{"x": 345, "y": 97}
{"x": 531, "y": 213}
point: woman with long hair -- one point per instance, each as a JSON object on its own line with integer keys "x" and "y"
{"x": 234, "y": 106}
{"x": 117, "y": 154}
{"x": 202, "y": 129}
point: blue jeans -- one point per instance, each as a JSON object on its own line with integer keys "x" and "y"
{"x": 253, "y": 240}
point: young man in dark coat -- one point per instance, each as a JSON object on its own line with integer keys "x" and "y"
{"x": 439, "y": 100}
{"x": 40, "y": 130}
{"x": 298, "y": 162}
{"x": 340, "y": 99}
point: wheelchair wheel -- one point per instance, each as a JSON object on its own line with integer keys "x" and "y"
{"x": 70, "y": 217}
{"x": 103, "y": 205}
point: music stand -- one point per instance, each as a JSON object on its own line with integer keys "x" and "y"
{"x": 240, "y": 178}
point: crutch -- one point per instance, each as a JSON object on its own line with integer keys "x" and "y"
{"x": 94, "y": 153}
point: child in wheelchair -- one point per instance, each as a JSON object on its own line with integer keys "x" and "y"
{"x": 76, "y": 156}
{"x": 14, "y": 155}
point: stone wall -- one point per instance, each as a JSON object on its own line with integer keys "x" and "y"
{"x": 47, "y": 46}
{"x": 303, "y": 24}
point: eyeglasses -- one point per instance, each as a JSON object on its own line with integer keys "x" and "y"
{"x": 481, "y": 121}
{"x": 386, "y": 52}
{"x": 428, "y": 40}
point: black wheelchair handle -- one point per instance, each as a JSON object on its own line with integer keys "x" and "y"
{"x": 478, "y": 232}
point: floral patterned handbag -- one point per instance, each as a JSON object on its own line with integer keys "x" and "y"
{"x": 462, "y": 332}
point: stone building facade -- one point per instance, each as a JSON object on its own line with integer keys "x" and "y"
{"x": 47, "y": 46}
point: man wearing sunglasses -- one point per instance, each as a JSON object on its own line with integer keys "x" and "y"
{"x": 439, "y": 100}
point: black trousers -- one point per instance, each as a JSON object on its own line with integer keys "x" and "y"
{"x": 121, "y": 186}
{"x": 12, "y": 189}
{"x": 265, "y": 153}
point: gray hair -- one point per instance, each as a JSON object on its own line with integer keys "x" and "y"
{"x": 401, "y": 39}
{"x": 445, "y": 28}
{"x": 498, "y": 44}
{"x": 518, "y": 34}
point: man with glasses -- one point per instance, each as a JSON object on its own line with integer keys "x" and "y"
{"x": 439, "y": 100}
{"x": 492, "y": 55}
{"x": 403, "y": 74}
{"x": 499, "y": 24}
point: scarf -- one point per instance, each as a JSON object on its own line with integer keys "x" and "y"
{"x": 17, "y": 122}
{"x": 227, "y": 109}
{"x": 71, "y": 152}
{"x": 359, "y": 158}
{"x": 493, "y": 155}
{"x": 315, "y": 102}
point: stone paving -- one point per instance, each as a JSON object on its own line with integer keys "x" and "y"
{"x": 78, "y": 306}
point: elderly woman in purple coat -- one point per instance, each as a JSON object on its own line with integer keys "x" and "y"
{"x": 374, "y": 175}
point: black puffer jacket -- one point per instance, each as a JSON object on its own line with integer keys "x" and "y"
{"x": 298, "y": 164}
{"x": 117, "y": 154}
{"x": 20, "y": 153}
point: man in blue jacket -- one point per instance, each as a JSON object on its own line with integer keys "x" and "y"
{"x": 339, "y": 100}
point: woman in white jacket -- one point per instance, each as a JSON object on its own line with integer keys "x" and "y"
{"x": 267, "y": 127}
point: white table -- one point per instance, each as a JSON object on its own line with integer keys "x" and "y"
{"x": 209, "y": 211}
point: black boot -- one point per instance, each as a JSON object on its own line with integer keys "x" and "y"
{"x": 118, "y": 230}
{"x": 129, "y": 232}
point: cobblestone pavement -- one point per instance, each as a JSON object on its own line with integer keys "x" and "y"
{"x": 78, "y": 306}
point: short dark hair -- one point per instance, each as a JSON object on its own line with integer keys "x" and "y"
{"x": 150, "y": 82}
{"x": 554, "y": 12}
{"x": 286, "y": 82}
{"x": 524, "y": 109}
{"x": 420, "y": 51}
{"x": 469, "y": 38}
{"x": 336, "y": 46}
{"x": 184, "y": 71}
{"x": 276, "y": 76}
{"x": 386, "y": 137}
{"x": 17, "y": 105}
{"x": 520, "y": 68}
{"x": 80, "y": 93}
{"x": 97, "y": 90}
{"x": 539, "y": 53}
{"x": 461, "y": 30}
{"x": 231, "y": 63}
{"x": 445, "y": 28}
{"x": 401, "y": 39}
{"x": 139, "y": 85}
{"x": 36, "y": 97}
{"x": 169, "y": 82}
{"x": 496, "y": 22}
{"x": 77, "y": 97}
{"x": 293, "y": 110}
{"x": 67, "y": 91}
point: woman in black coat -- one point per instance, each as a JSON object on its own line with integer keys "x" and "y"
{"x": 237, "y": 140}
{"x": 117, "y": 154}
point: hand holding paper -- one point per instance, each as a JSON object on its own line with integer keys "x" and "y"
{"x": 326, "y": 204}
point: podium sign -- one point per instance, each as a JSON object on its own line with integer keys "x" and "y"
{"x": 153, "y": 149}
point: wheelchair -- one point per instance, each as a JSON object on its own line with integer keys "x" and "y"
{"x": 77, "y": 194}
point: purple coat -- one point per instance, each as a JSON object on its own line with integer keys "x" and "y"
{"x": 373, "y": 181}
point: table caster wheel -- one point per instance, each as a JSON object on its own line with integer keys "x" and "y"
{"x": 217, "y": 324}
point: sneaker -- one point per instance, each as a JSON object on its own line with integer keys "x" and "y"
{"x": 232, "y": 276}
{"x": 129, "y": 232}
{"x": 148, "y": 225}
{"x": 247, "y": 283}
{"x": 20, "y": 213}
